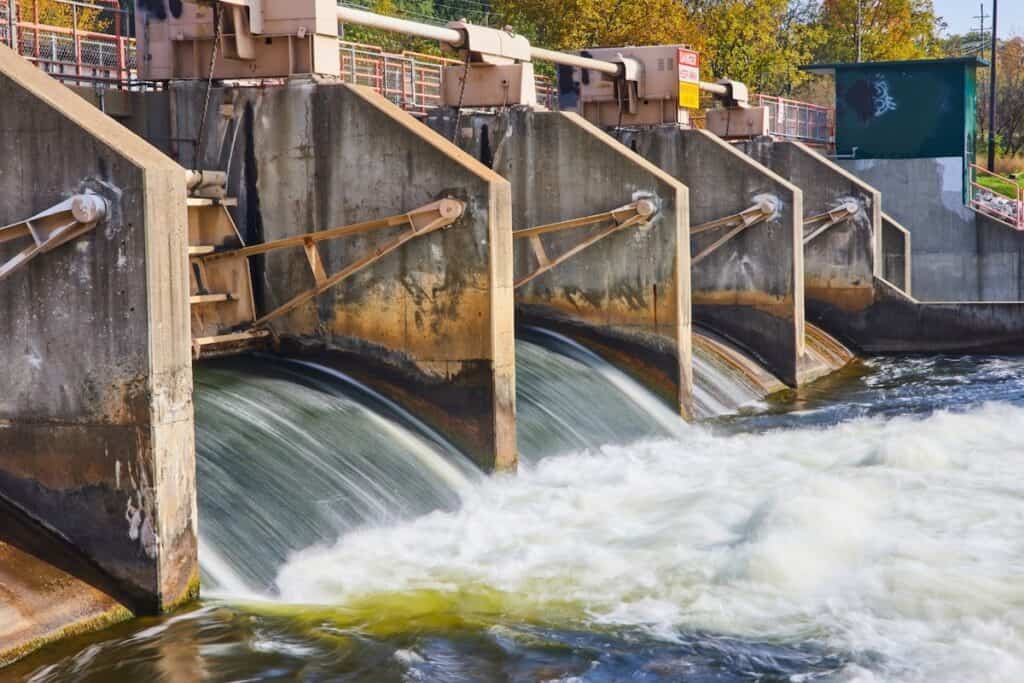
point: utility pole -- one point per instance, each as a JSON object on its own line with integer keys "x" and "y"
{"x": 978, "y": 45}
{"x": 860, "y": 30}
{"x": 992, "y": 90}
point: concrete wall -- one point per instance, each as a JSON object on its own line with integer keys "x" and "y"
{"x": 627, "y": 297}
{"x": 896, "y": 323}
{"x": 957, "y": 254}
{"x": 840, "y": 264}
{"x": 430, "y": 325}
{"x": 750, "y": 290}
{"x": 96, "y": 390}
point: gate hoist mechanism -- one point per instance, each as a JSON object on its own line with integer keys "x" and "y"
{"x": 280, "y": 38}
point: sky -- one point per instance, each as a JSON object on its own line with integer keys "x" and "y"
{"x": 960, "y": 15}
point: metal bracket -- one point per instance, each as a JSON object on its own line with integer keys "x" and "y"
{"x": 641, "y": 211}
{"x": 751, "y": 216}
{"x": 50, "y": 229}
{"x": 206, "y": 184}
{"x": 830, "y": 218}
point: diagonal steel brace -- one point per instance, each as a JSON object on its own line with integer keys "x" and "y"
{"x": 641, "y": 211}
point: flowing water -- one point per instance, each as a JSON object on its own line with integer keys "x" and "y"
{"x": 868, "y": 530}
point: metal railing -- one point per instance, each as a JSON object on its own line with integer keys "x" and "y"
{"x": 409, "y": 79}
{"x": 412, "y": 80}
{"x": 998, "y": 197}
{"x": 71, "y": 54}
{"x": 800, "y": 121}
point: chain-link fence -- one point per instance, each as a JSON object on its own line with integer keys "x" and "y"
{"x": 70, "y": 53}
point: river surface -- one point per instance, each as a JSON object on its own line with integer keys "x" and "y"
{"x": 869, "y": 529}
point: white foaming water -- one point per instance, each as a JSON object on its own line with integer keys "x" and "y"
{"x": 897, "y": 543}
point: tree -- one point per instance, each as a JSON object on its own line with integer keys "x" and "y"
{"x": 1009, "y": 99}
{"x": 63, "y": 14}
{"x": 889, "y": 29}
{"x": 577, "y": 24}
{"x": 760, "y": 42}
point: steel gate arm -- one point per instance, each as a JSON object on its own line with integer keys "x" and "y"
{"x": 52, "y": 228}
{"x": 641, "y": 211}
{"x": 420, "y": 221}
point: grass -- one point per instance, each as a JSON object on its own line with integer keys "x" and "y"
{"x": 1005, "y": 166}
{"x": 1003, "y": 187}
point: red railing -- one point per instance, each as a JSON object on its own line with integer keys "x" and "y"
{"x": 409, "y": 79}
{"x": 999, "y": 198}
{"x": 71, "y": 54}
{"x": 800, "y": 121}
{"x": 412, "y": 80}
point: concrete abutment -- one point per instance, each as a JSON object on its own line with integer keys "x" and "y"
{"x": 96, "y": 430}
{"x": 860, "y": 272}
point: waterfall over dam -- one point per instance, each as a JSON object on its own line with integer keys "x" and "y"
{"x": 866, "y": 535}
{"x": 289, "y": 455}
{"x": 292, "y": 453}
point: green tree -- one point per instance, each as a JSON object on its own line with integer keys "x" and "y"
{"x": 577, "y": 24}
{"x": 888, "y": 30}
{"x": 760, "y": 42}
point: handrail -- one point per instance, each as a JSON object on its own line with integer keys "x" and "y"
{"x": 69, "y": 53}
{"x": 999, "y": 206}
{"x": 796, "y": 120}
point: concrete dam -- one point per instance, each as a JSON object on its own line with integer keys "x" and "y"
{"x": 301, "y": 381}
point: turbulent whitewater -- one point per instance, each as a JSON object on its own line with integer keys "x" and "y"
{"x": 894, "y": 544}
{"x": 870, "y": 534}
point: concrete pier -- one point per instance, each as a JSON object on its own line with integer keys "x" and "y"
{"x": 841, "y": 262}
{"x": 96, "y": 424}
{"x": 858, "y": 270}
{"x": 431, "y": 325}
{"x": 627, "y": 297}
{"x": 750, "y": 289}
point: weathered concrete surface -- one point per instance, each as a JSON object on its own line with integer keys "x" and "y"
{"x": 958, "y": 255}
{"x": 627, "y": 297}
{"x": 430, "y": 325}
{"x": 750, "y": 290}
{"x": 840, "y": 264}
{"x": 897, "y": 323}
{"x": 47, "y": 591}
{"x": 96, "y": 429}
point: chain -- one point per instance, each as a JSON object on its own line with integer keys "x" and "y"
{"x": 462, "y": 94}
{"x": 209, "y": 85}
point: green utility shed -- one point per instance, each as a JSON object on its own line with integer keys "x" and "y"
{"x": 906, "y": 109}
